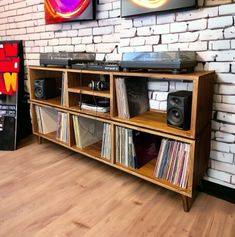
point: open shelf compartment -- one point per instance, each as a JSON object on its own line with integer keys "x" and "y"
{"x": 89, "y": 104}
{"x": 155, "y": 120}
{"x": 134, "y": 104}
{"x": 91, "y": 136}
{"x": 45, "y": 84}
{"x": 148, "y": 155}
{"x": 86, "y": 83}
{"x": 50, "y": 123}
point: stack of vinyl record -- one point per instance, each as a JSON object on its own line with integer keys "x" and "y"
{"x": 172, "y": 162}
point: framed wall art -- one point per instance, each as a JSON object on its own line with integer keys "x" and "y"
{"x": 57, "y": 11}
{"x": 139, "y": 7}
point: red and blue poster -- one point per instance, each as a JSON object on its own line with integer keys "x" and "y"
{"x": 9, "y": 68}
{"x": 11, "y": 59}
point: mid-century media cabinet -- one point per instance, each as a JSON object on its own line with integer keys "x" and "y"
{"x": 73, "y": 87}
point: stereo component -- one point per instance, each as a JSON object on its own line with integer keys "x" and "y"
{"x": 45, "y": 88}
{"x": 98, "y": 85}
{"x": 176, "y": 61}
{"x": 179, "y": 105}
{"x": 65, "y": 59}
{"x": 98, "y": 66}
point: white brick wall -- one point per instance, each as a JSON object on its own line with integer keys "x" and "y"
{"x": 220, "y": 22}
{"x": 233, "y": 179}
{"x": 220, "y": 156}
{"x": 229, "y": 32}
{"x": 220, "y": 146}
{"x": 219, "y": 175}
{"x": 219, "y": 44}
{"x": 143, "y": 31}
{"x": 225, "y": 78}
{"x": 197, "y": 25}
{"x": 226, "y": 9}
{"x": 161, "y": 29}
{"x": 226, "y": 117}
{"x": 225, "y": 167}
{"x": 224, "y": 137}
{"x": 170, "y": 38}
{"x": 211, "y": 34}
{"x": 188, "y": 37}
{"x": 209, "y": 31}
{"x": 144, "y": 21}
{"x": 178, "y": 27}
{"x": 228, "y": 89}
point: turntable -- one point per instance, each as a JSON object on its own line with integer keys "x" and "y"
{"x": 65, "y": 59}
{"x": 176, "y": 61}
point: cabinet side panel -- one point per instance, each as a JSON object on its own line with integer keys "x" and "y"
{"x": 202, "y": 152}
{"x": 31, "y": 76}
{"x": 194, "y": 107}
{"x": 191, "y": 163}
{"x": 34, "y": 118}
{"x": 204, "y": 102}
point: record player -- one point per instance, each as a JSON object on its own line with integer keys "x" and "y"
{"x": 176, "y": 61}
{"x": 65, "y": 59}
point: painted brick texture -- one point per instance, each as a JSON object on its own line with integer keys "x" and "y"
{"x": 209, "y": 30}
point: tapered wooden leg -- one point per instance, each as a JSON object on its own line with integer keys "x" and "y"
{"x": 186, "y": 203}
{"x": 39, "y": 140}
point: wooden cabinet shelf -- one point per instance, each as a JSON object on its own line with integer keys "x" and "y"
{"x": 146, "y": 172}
{"x": 115, "y": 135}
{"x": 166, "y": 76}
{"x": 93, "y": 150}
{"x": 87, "y": 91}
{"x": 52, "y": 137}
{"x": 155, "y": 121}
{"x": 51, "y": 102}
{"x": 89, "y": 112}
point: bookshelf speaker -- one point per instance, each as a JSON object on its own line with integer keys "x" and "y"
{"x": 179, "y": 105}
{"x": 45, "y": 88}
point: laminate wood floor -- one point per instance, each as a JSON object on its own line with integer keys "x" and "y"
{"x": 49, "y": 191}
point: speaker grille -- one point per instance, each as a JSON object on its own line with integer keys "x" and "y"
{"x": 175, "y": 117}
{"x": 38, "y": 92}
{"x": 175, "y": 101}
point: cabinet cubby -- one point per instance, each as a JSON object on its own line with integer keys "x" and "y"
{"x": 152, "y": 123}
{"x": 48, "y": 75}
{"x": 51, "y": 123}
{"x": 90, "y": 136}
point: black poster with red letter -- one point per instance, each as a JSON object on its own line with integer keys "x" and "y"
{"x": 11, "y": 92}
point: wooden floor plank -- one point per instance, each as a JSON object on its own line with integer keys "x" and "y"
{"x": 49, "y": 191}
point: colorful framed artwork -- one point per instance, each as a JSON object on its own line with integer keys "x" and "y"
{"x": 57, "y": 11}
{"x": 138, "y": 7}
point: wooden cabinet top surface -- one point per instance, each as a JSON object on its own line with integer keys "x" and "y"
{"x": 151, "y": 74}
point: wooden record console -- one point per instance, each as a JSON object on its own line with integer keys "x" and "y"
{"x": 66, "y": 119}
